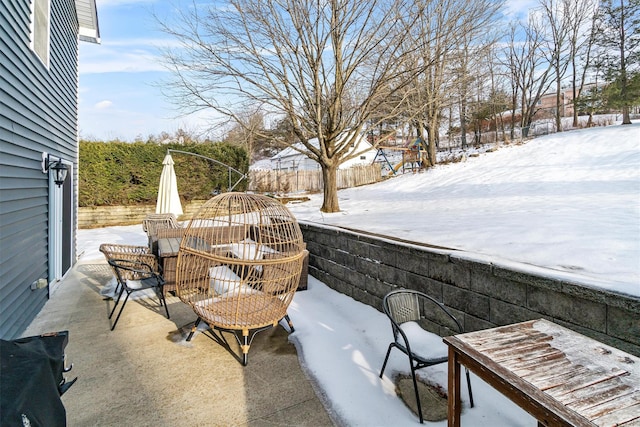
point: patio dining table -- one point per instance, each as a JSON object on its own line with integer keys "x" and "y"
{"x": 559, "y": 376}
{"x": 168, "y": 248}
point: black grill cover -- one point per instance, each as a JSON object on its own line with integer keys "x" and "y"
{"x": 31, "y": 380}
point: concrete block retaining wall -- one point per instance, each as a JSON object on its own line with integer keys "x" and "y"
{"x": 105, "y": 216}
{"x": 482, "y": 294}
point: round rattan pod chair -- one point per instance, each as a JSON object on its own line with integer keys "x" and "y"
{"x": 239, "y": 264}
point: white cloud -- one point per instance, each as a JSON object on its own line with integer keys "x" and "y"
{"x": 103, "y": 105}
{"x": 519, "y": 9}
{"x": 116, "y": 3}
{"x": 121, "y": 62}
{"x": 142, "y": 42}
{"x": 111, "y": 121}
{"x": 134, "y": 55}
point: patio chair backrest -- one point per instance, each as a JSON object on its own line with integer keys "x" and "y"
{"x": 406, "y": 305}
{"x": 151, "y": 219}
{"x": 135, "y": 275}
{"x": 154, "y": 222}
{"x": 403, "y": 307}
{"x": 143, "y": 254}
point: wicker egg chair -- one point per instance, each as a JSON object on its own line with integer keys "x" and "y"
{"x": 239, "y": 265}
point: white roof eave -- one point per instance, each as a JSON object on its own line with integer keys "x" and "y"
{"x": 88, "y": 30}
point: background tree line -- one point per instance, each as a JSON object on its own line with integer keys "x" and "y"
{"x": 314, "y": 72}
{"x": 121, "y": 173}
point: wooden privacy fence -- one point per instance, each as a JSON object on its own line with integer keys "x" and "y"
{"x": 287, "y": 181}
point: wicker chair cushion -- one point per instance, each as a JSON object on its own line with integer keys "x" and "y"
{"x": 224, "y": 280}
{"x": 258, "y": 310}
{"x": 250, "y": 250}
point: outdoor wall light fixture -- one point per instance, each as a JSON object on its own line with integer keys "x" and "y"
{"x": 59, "y": 169}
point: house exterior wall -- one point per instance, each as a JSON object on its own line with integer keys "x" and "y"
{"x": 294, "y": 162}
{"x": 38, "y": 113}
{"x": 363, "y": 159}
{"x": 291, "y": 160}
{"x": 547, "y": 104}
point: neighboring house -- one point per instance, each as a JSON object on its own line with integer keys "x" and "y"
{"x": 38, "y": 128}
{"x": 547, "y": 104}
{"x": 292, "y": 159}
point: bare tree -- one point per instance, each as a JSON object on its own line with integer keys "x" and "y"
{"x": 473, "y": 78}
{"x": 581, "y": 39}
{"x": 328, "y": 67}
{"x": 499, "y": 97}
{"x": 510, "y": 63}
{"x": 450, "y": 27}
{"x": 528, "y": 68}
{"x": 556, "y": 19}
{"x": 464, "y": 78}
{"x": 247, "y": 130}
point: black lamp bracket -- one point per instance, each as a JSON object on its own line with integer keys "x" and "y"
{"x": 57, "y": 165}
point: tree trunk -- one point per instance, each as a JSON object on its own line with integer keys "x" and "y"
{"x": 574, "y": 94}
{"x": 425, "y": 142}
{"x": 463, "y": 122}
{"x": 431, "y": 146}
{"x": 330, "y": 189}
{"x": 500, "y": 125}
{"x": 559, "y": 105}
{"x": 626, "y": 118}
{"x": 477, "y": 136}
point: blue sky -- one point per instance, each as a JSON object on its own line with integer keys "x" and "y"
{"x": 118, "y": 93}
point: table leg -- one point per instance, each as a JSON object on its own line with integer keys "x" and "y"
{"x": 169, "y": 264}
{"x": 454, "y": 401}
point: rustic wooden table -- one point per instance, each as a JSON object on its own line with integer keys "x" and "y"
{"x": 560, "y": 377}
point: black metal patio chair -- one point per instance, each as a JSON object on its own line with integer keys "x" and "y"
{"x": 134, "y": 276}
{"x": 406, "y": 310}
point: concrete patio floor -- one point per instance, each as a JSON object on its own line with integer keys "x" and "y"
{"x": 144, "y": 373}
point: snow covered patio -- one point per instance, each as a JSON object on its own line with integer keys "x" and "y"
{"x": 145, "y": 373}
{"x": 340, "y": 342}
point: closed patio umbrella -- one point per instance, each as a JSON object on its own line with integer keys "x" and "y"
{"x": 168, "y": 198}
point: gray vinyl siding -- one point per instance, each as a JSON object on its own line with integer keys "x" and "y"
{"x": 38, "y": 112}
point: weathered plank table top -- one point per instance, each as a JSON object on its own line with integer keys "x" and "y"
{"x": 168, "y": 246}
{"x": 559, "y": 376}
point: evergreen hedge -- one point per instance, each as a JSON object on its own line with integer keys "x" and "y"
{"x": 121, "y": 173}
